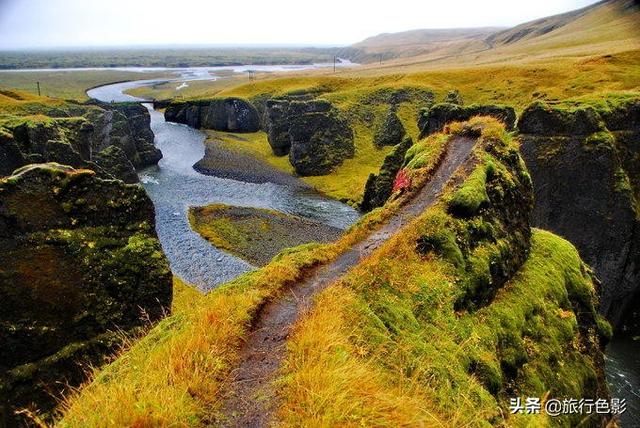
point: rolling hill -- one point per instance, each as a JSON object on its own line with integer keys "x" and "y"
{"x": 606, "y": 27}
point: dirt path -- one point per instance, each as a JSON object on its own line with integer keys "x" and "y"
{"x": 251, "y": 398}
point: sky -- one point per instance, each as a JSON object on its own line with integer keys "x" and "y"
{"x": 85, "y": 23}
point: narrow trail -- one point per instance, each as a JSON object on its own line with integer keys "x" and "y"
{"x": 250, "y": 401}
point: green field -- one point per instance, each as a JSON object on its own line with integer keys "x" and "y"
{"x": 160, "y": 57}
{"x": 68, "y": 84}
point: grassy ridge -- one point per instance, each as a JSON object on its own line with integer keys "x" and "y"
{"x": 387, "y": 345}
{"x": 384, "y": 348}
{"x": 172, "y": 376}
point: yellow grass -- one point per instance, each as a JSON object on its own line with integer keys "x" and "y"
{"x": 172, "y": 376}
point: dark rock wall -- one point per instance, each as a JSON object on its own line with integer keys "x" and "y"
{"x": 391, "y": 132}
{"x": 312, "y": 132}
{"x": 585, "y": 166}
{"x": 80, "y": 261}
{"x": 219, "y": 114}
{"x": 127, "y": 126}
{"x": 379, "y": 187}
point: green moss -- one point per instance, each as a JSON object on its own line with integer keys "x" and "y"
{"x": 424, "y": 153}
{"x": 443, "y": 243}
{"x": 604, "y": 328}
{"x": 472, "y": 195}
{"x": 600, "y": 140}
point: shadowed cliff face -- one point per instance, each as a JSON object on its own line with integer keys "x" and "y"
{"x": 220, "y": 114}
{"x": 585, "y": 167}
{"x": 312, "y": 132}
{"x": 80, "y": 261}
{"x": 437, "y": 117}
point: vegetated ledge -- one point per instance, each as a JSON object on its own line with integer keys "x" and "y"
{"x": 386, "y": 342}
{"x": 431, "y": 332}
{"x": 256, "y": 235}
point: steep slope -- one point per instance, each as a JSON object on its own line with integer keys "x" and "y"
{"x": 443, "y": 306}
{"x": 585, "y": 165}
{"x": 605, "y": 27}
{"x": 111, "y": 139}
{"x": 80, "y": 263}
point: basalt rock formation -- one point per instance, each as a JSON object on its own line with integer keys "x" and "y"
{"x": 379, "y": 187}
{"x": 391, "y": 132}
{"x": 434, "y": 119}
{"x": 278, "y": 116}
{"x": 219, "y": 114}
{"x": 80, "y": 262}
{"x": 77, "y": 136}
{"x": 585, "y": 165}
{"x": 128, "y": 127}
{"x": 312, "y": 132}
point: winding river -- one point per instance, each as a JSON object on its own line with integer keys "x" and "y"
{"x": 174, "y": 186}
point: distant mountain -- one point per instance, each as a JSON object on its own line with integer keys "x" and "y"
{"x": 603, "y": 26}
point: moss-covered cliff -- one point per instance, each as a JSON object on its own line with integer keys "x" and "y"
{"x": 111, "y": 139}
{"x": 450, "y": 319}
{"x": 81, "y": 264}
{"x": 584, "y": 158}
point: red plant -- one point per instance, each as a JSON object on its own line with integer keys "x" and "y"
{"x": 402, "y": 181}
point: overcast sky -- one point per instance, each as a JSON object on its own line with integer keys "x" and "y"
{"x": 62, "y": 23}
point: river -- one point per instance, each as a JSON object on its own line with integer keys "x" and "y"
{"x": 174, "y": 186}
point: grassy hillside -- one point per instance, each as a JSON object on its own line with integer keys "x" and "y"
{"x": 380, "y": 357}
{"x": 435, "y": 43}
{"x": 607, "y": 27}
{"x": 383, "y": 350}
{"x": 363, "y": 96}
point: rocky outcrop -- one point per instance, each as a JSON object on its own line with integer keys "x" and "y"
{"x": 453, "y": 97}
{"x": 585, "y": 165}
{"x": 79, "y": 261}
{"x": 114, "y": 160}
{"x": 128, "y": 127}
{"x": 379, "y": 187}
{"x": 219, "y": 114}
{"x": 79, "y": 140}
{"x": 391, "y": 132}
{"x": 492, "y": 233}
{"x": 278, "y": 116}
{"x": 437, "y": 117}
{"x": 319, "y": 142}
{"x": 312, "y": 132}
{"x": 11, "y": 157}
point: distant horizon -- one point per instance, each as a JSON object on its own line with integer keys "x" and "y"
{"x": 40, "y": 25}
{"x": 229, "y": 45}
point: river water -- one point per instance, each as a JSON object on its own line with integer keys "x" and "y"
{"x": 174, "y": 186}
